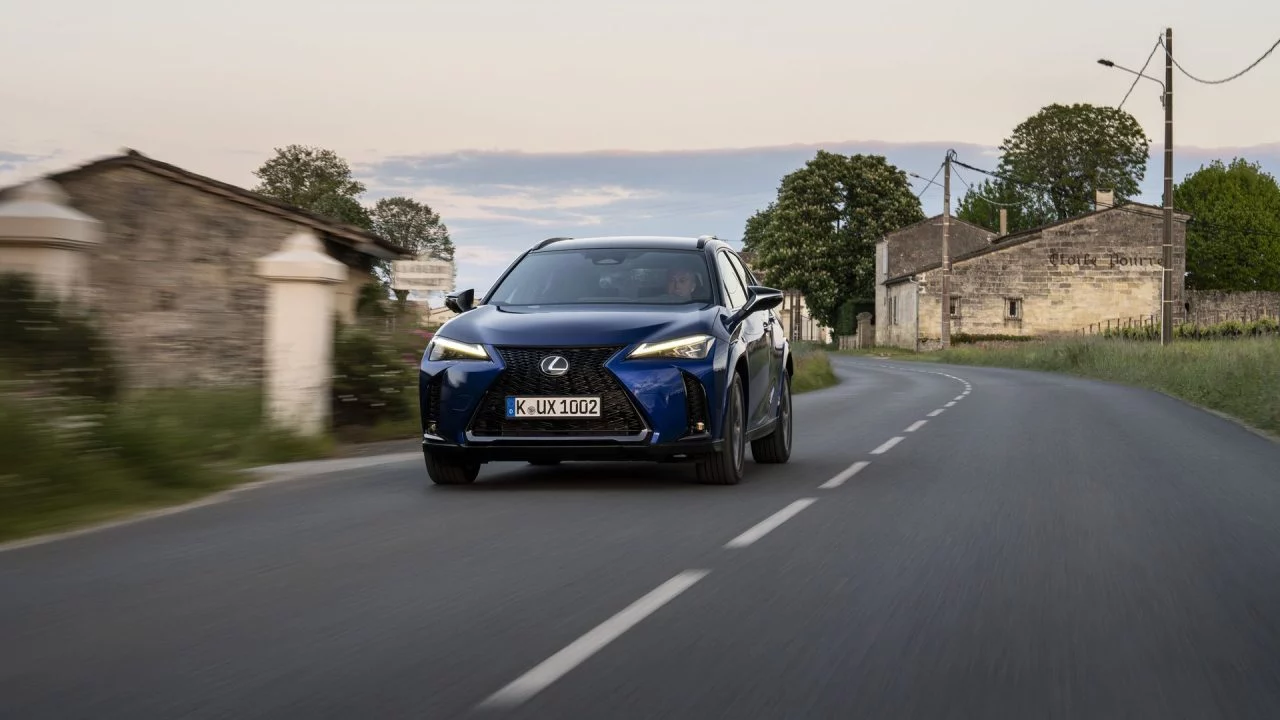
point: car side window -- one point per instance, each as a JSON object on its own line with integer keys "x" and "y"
{"x": 735, "y": 292}
{"x": 743, "y": 273}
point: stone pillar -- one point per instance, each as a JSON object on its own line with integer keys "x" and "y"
{"x": 866, "y": 336}
{"x": 41, "y": 235}
{"x": 298, "y": 356}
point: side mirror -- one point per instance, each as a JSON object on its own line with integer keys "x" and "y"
{"x": 759, "y": 299}
{"x": 460, "y": 302}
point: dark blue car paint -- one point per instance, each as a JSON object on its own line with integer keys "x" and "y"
{"x": 754, "y": 345}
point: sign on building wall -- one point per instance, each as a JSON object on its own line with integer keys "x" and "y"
{"x": 425, "y": 274}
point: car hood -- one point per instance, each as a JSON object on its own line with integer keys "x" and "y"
{"x": 579, "y": 325}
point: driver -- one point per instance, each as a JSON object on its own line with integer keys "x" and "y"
{"x": 681, "y": 284}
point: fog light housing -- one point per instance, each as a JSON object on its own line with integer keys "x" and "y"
{"x": 700, "y": 426}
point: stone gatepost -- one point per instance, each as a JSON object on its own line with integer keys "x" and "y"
{"x": 42, "y": 236}
{"x": 298, "y": 357}
{"x": 866, "y": 334}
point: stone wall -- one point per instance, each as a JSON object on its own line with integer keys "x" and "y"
{"x": 1209, "y": 307}
{"x": 1059, "y": 279}
{"x": 173, "y": 277}
{"x": 896, "y": 325}
{"x": 920, "y": 245}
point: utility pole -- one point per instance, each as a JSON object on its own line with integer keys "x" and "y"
{"x": 946, "y": 253}
{"x": 1166, "y": 305}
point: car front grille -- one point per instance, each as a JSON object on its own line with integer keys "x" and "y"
{"x": 587, "y": 376}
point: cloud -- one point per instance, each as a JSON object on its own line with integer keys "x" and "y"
{"x": 18, "y": 167}
{"x": 498, "y": 203}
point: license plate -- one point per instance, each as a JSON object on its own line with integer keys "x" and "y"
{"x": 543, "y": 407}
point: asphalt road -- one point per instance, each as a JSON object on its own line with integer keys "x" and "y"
{"x": 1044, "y": 547}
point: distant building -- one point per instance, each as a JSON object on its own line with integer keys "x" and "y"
{"x": 173, "y": 279}
{"x": 1061, "y": 278}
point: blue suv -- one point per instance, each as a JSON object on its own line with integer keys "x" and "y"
{"x": 617, "y": 348}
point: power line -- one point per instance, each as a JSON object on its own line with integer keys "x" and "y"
{"x": 928, "y": 182}
{"x": 979, "y": 195}
{"x": 1224, "y": 80}
{"x": 1136, "y": 78}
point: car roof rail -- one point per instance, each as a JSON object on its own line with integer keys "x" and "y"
{"x": 702, "y": 240}
{"x": 548, "y": 241}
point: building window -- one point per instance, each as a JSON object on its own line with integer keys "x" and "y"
{"x": 892, "y": 311}
{"x": 1013, "y": 308}
{"x": 955, "y": 307}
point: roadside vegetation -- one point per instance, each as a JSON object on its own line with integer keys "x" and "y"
{"x": 813, "y": 368}
{"x": 1230, "y": 368}
{"x": 77, "y": 449}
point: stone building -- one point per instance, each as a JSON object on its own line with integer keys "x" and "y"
{"x": 1061, "y": 278}
{"x": 172, "y": 277}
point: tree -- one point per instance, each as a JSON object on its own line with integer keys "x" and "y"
{"x": 1233, "y": 239}
{"x": 314, "y": 179}
{"x": 819, "y": 236}
{"x": 1064, "y": 153}
{"x": 412, "y": 225}
{"x": 981, "y": 206}
{"x": 757, "y": 228}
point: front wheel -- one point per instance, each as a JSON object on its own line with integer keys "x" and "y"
{"x": 775, "y": 448}
{"x": 451, "y": 472}
{"x": 725, "y": 467}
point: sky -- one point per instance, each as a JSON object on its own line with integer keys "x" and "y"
{"x": 518, "y": 120}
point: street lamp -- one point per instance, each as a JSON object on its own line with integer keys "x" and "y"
{"x": 1166, "y": 304}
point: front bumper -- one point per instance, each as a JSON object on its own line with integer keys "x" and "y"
{"x": 513, "y": 451}
{"x": 652, "y": 410}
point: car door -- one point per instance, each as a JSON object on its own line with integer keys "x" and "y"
{"x": 754, "y": 335}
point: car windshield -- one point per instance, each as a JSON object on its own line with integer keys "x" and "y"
{"x": 607, "y": 276}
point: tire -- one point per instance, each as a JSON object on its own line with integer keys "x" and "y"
{"x": 725, "y": 467}
{"x": 444, "y": 472}
{"x": 775, "y": 448}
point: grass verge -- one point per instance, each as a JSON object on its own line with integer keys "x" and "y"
{"x": 66, "y": 463}
{"x": 813, "y": 369}
{"x": 1234, "y": 377}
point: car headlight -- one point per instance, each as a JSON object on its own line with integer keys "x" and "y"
{"x": 442, "y": 348}
{"x": 693, "y": 347}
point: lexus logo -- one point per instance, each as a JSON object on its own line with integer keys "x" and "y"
{"x": 554, "y": 365}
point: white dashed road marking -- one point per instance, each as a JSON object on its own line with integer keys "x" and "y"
{"x": 888, "y": 445}
{"x": 556, "y": 666}
{"x": 574, "y": 654}
{"x": 764, "y": 527}
{"x": 844, "y": 475}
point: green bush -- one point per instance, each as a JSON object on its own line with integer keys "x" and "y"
{"x": 57, "y": 344}
{"x": 812, "y": 370}
{"x": 372, "y": 381}
{"x": 961, "y": 338}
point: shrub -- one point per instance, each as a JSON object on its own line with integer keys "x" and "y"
{"x": 55, "y": 343}
{"x": 812, "y": 370}
{"x": 372, "y": 381}
{"x": 974, "y": 338}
